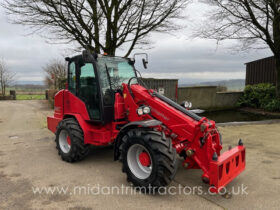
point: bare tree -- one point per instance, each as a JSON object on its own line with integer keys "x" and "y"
{"x": 256, "y": 23}
{"x": 6, "y": 77}
{"x": 56, "y": 74}
{"x": 98, "y": 24}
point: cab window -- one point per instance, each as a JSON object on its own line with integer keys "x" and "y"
{"x": 88, "y": 91}
{"x": 72, "y": 78}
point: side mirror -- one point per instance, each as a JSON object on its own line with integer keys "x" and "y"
{"x": 144, "y": 63}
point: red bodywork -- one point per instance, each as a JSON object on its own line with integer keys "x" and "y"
{"x": 198, "y": 141}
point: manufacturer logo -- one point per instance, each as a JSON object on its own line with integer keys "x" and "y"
{"x": 160, "y": 114}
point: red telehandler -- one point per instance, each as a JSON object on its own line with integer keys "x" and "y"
{"x": 105, "y": 102}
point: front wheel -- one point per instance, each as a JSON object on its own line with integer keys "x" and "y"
{"x": 148, "y": 158}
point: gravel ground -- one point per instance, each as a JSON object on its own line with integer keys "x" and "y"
{"x": 29, "y": 161}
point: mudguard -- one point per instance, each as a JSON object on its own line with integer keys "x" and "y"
{"x": 145, "y": 124}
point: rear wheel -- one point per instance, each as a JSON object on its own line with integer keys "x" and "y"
{"x": 148, "y": 158}
{"x": 70, "y": 141}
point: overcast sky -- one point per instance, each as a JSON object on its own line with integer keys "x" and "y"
{"x": 172, "y": 56}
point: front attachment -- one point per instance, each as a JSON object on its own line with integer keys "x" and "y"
{"x": 226, "y": 167}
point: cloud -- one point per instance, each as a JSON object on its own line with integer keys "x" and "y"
{"x": 172, "y": 56}
{"x": 25, "y": 55}
{"x": 197, "y": 59}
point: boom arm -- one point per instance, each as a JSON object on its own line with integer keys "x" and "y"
{"x": 195, "y": 138}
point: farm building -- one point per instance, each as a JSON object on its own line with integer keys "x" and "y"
{"x": 261, "y": 71}
{"x": 167, "y": 87}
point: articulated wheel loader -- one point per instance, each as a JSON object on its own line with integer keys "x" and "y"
{"x": 105, "y": 102}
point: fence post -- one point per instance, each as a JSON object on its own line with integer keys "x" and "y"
{"x": 12, "y": 94}
{"x": 47, "y": 94}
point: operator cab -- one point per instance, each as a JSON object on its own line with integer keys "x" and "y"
{"x": 95, "y": 79}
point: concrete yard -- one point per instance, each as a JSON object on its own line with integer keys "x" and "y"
{"x": 29, "y": 159}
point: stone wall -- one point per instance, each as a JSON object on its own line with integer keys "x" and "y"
{"x": 208, "y": 97}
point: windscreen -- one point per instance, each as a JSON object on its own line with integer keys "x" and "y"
{"x": 119, "y": 69}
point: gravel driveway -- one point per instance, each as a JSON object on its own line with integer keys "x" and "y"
{"x": 32, "y": 175}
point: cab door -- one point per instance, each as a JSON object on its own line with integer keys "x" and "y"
{"x": 88, "y": 90}
{"x": 82, "y": 83}
{"x": 91, "y": 85}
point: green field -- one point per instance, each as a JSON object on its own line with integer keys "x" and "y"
{"x": 28, "y": 92}
{"x": 30, "y": 97}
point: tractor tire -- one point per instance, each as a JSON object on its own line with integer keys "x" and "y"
{"x": 70, "y": 141}
{"x": 157, "y": 166}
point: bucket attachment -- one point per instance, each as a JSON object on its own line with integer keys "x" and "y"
{"x": 228, "y": 166}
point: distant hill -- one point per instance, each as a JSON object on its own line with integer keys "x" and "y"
{"x": 232, "y": 85}
{"x": 28, "y": 86}
{"x": 29, "y": 83}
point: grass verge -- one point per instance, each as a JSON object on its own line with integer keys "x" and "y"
{"x": 30, "y": 97}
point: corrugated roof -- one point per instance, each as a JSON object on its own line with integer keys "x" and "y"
{"x": 259, "y": 60}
